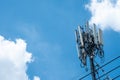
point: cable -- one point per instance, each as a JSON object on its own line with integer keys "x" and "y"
{"x": 100, "y": 67}
{"x": 97, "y": 65}
{"x": 98, "y": 74}
{"x": 116, "y": 77}
{"x": 108, "y": 72}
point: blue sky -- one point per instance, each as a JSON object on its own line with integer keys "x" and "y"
{"x": 48, "y": 27}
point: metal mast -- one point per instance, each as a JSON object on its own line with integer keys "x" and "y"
{"x": 92, "y": 69}
{"x": 89, "y": 44}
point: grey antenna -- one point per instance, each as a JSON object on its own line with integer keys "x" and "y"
{"x": 87, "y": 27}
{"x": 100, "y": 40}
{"x": 76, "y": 35}
{"x": 78, "y": 51}
{"x": 77, "y": 40}
{"x": 81, "y": 37}
{"x": 94, "y": 34}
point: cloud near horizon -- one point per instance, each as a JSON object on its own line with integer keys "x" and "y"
{"x": 13, "y": 59}
{"x": 105, "y": 13}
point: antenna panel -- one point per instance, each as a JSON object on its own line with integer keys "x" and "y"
{"x": 78, "y": 51}
{"x": 94, "y": 33}
{"x": 76, "y": 35}
{"x": 87, "y": 27}
{"x": 81, "y": 37}
{"x": 78, "y": 42}
{"x": 100, "y": 36}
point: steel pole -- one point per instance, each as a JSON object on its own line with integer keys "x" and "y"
{"x": 92, "y": 68}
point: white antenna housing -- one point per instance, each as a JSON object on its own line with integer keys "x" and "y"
{"x": 78, "y": 51}
{"x": 100, "y": 37}
{"x": 94, "y": 33}
{"x": 76, "y": 35}
{"x": 87, "y": 27}
{"x": 81, "y": 37}
{"x": 77, "y": 47}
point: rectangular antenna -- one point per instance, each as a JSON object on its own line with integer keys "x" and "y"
{"x": 100, "y": 39}
{"x": 81, "y": 37}
{"x": 94, "y": 33}
{"x": 77, "y": 40}
{"x": 87, "y": 27}
{"x": 78, "y": 50}
{"x": 76, "y": 35}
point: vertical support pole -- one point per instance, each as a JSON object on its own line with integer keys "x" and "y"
{"x": 92, "y": 68}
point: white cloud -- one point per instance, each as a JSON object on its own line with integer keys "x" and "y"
{"x": 13, "y": 59}
{"x": 105, "y": 13}
{"x": 36, "y": 78}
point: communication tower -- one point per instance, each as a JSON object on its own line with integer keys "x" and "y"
{"x": 89, "y": 43}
